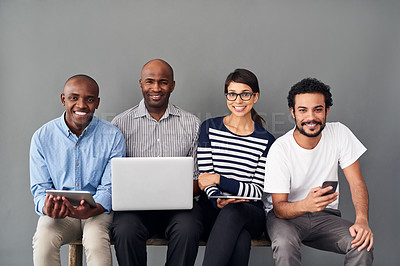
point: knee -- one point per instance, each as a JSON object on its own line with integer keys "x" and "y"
{"x": 125, "y": 228}
{"x": 285, "y": 244}
{"x": 186, "y": 226}
{"x": 94, "y": 240}
{"x": 363, "y": 257}
{"x": 46, "y": 241}
{"x": 231, "y": 211}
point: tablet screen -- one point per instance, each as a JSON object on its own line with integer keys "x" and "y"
{"x": 74, "y": 197}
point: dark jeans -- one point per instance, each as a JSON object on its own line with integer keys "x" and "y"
{"x": 232, "y": 229}
{"x": 182, "y": 228}
{"x": 324, "y": 230}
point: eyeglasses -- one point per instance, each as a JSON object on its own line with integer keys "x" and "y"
{"x": 245, "y": 96}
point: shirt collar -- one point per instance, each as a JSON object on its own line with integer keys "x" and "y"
{"x": 142, "y": 111}
{"x": 89, "y": 129}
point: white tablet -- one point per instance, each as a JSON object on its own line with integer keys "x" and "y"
{"x": 74, "y": 197}
{"x": 234, "y": 197}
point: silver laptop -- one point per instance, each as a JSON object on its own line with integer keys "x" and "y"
{"x": 152, "y": 183}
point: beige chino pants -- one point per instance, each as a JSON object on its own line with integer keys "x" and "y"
{"x": 51, "y": 234}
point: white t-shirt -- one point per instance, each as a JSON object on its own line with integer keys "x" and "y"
{"x": 294, "y": 170}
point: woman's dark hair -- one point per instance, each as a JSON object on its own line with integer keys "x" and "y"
{"x": 310, "y": 85}
{"x": 247, "y": 77}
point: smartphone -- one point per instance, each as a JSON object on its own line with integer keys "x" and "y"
{"x": 332, "y": 184}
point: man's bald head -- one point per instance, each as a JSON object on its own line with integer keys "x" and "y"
{"x": 159, "y": 62}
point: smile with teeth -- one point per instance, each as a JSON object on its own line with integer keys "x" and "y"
{"x": 155, "y": 97}
{"x": 80, "y": 113}
{"x": 311, "y": 124}
{"x": 239, "y": 108}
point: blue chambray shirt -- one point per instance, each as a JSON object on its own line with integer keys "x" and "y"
{"x": 59, "y": 160}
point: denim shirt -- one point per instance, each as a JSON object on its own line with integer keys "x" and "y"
{"x": 60, "y": 160}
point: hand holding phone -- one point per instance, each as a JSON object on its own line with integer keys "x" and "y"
{"x": 333, "y": 184}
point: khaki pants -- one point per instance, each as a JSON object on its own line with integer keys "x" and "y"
{"x": 51, "y": 234}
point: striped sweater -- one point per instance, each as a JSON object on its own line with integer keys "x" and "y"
{"x": 239, "y": 160}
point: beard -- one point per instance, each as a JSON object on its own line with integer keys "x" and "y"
{"x": 312, "y": 134}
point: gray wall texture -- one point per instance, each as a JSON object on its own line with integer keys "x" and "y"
{"x": 352, "y": 45}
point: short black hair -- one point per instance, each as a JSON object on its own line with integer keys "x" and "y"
{"x": 85, "y": 77}
{"x": 310, "y": 85}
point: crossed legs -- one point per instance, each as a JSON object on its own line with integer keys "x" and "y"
{"x": 230, "y": 238}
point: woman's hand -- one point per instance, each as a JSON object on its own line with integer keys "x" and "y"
{"x": 206, "y": 180}
{"x": 223, "y": 202}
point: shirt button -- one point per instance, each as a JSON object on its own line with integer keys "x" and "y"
{"x": 77, "y": 143}
{"x": 77, "y": 163}
{"x": 158, "y": 140}
{"x": 77, "y": 185}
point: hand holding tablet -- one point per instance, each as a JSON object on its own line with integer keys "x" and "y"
{"x": 74, "y": 197}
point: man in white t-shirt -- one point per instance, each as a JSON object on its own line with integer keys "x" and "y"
{"x": 297, "y": 165}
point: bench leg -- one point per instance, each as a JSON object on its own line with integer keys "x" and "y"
{"x": 75, "y": 255}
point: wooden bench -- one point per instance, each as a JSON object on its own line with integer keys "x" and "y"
{"x": 76, "y": 249}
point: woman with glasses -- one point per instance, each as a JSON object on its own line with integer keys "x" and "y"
{"x": 231, "y": 157}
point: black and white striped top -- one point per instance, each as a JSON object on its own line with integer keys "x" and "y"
{"x": 239, "y": 160}
{"x": 174, "y": 135}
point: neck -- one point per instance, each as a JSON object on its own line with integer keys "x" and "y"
{"x": 156, "y": 113}
{"x": 239, "y": 125}
{"x": 77, "y": 130}
{"x": 305, "y": 142}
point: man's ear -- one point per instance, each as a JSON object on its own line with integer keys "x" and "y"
{"x": 63, "y": 99}
{"x": 140, "y": 84}
{"x": 327, "y": 111}
{"x": 98, "y": 102}
{"x": 292, "y": 112}
{"x": 173, "y": 86}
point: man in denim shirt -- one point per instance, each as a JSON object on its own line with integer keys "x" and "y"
{"x": 73, "y": 152}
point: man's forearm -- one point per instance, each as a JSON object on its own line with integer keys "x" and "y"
{"x": 288, "y": 210}
{"x": 360, "y": 199}
{"x": 359, "y": 192}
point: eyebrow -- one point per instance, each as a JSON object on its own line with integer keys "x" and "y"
{"x": 245, "y": 90}
{"x": 318, "y": 106}
{"x": 78, "y": 95}
{"x": 160, "y": 79}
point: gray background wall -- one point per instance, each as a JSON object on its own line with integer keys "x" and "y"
{"x": 354, "y": 46}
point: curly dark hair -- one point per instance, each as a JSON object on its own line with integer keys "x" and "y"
{"x": 310, "y": 85}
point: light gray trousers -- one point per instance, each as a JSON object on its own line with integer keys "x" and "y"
{"x": 51, "y": 234}
{"x": 324, "y": 230}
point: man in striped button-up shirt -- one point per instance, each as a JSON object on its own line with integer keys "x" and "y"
{"x": 156, "y": 128}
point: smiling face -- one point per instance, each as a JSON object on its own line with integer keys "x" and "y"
{"x": 80, "y": 98}
{"x": 310, "y": 113}
{"x": 239, "y": 107}
{"x": 157, "y": 85}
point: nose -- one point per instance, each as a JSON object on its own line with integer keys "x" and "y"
{"x": 156, "y": 87}
{"x": 81, "y": 103}
{"x": 238, "y": 99}
{"x": 310, "y": 115}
